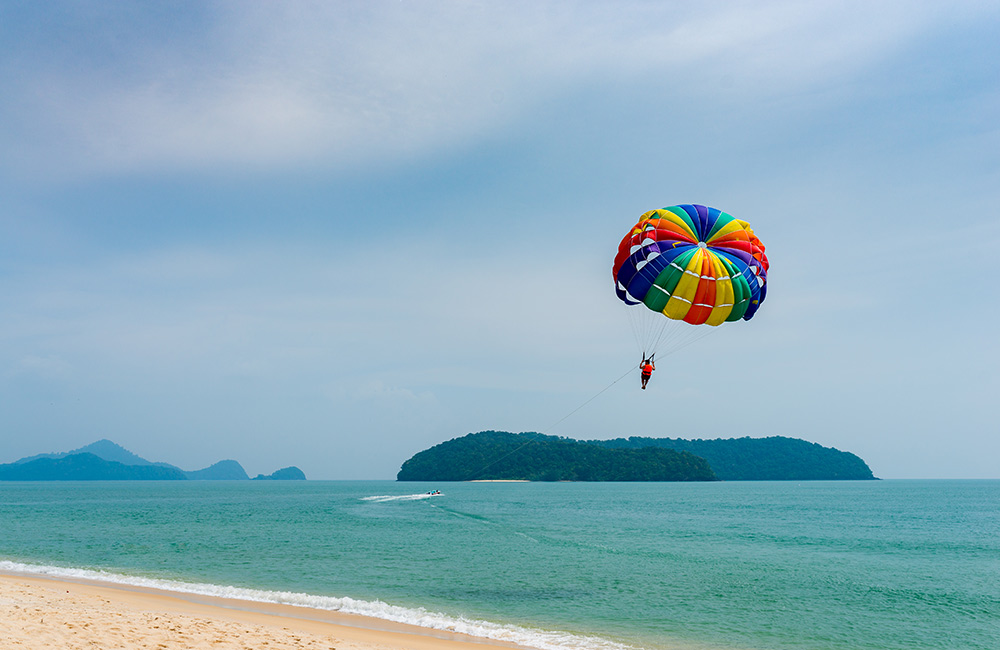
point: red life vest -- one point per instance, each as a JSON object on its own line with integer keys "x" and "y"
{"x": 647, "y": 369}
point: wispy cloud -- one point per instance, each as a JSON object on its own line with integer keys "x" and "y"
{"x": 224, "y": 221}
{"x": 287, "y": 83}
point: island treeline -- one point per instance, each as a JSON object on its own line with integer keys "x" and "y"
{"x": 776, "y": 458}
{"x": 499, "y": 455}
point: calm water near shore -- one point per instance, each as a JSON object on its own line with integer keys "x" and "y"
{"x": 755, "y": 566}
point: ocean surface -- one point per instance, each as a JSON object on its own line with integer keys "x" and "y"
{"x": 597, "y": 566}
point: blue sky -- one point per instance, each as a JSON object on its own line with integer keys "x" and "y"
{"x": 334, "y": 234}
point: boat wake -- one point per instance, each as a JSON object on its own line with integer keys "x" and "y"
{"x": 379, "y": 498}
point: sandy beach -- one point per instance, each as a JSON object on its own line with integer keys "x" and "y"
{"x": 41, "y": 613}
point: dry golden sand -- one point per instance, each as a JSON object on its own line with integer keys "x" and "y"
{"x": 39, "y": 613}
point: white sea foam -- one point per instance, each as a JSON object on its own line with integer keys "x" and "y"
{"x": 533, "y": 638}
{"x": 400, "y": 497}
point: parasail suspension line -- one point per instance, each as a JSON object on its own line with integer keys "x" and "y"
{"x": 551, "y": 426}
{"x": 598, "y": 394}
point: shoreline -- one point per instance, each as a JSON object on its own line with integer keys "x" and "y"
{"x": 83, "y": 613}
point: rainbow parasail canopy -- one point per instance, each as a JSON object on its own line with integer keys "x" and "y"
{"x": 694, "y": 264}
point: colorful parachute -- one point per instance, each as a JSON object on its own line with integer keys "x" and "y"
{"x": 693, "y": 264}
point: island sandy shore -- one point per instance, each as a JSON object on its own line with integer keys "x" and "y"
{"x": 38, "y": 612}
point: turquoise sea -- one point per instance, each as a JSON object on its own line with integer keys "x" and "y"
{"x": 599, "y": 566}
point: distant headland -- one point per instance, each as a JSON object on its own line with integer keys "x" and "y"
{"x": 107, "y": 461}
{"x": 499, "y": 455}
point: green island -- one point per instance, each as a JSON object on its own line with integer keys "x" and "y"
{"x": 776, "y": 458}
{"x": 500, "y": 455}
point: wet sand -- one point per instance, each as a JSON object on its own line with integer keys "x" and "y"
{"x": 38, "y": 613}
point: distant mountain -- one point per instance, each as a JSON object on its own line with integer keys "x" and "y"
{"x": 85, "y": 467}
{"x": 760, "y": 459}
{"x": 102, "y": 449}
{"x": 498, "y": 455}
{"x": 106, "y": 460}
{"x": 285, "y": 474}
{"x": 224, "y": 470}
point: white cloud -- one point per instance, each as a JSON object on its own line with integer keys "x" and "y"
{"x": 375, "y": 390}
{"x": 172, "y": 328}
{"x": 285, "y": 83}
{"x": 282, "y": 311}
{"x": 47, "y": 367}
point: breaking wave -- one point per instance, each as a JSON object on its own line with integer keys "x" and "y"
{"x": 541, "y": 639}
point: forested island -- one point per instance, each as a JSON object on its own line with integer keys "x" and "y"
{"x": 499, "y": 455}
{"x": 106, "y": 461}
{"x": 776, "y": 458}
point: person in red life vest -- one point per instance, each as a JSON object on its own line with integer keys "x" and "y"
{"x": 647, "y": 366}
